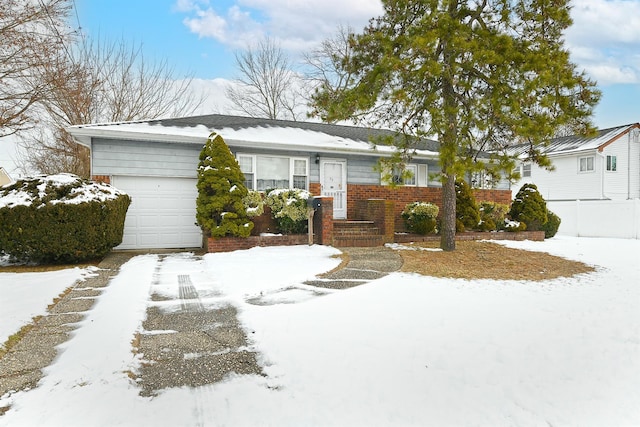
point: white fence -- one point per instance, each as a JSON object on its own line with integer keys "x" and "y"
{"x": 598, "y": 218}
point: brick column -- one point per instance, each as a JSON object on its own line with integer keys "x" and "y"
{"x": 323, "y": 222}
{"x": 381, "y": 212}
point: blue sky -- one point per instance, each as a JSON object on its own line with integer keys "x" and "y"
{"x": 200, "y": 36}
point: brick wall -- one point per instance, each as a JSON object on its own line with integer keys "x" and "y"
{"x": 401, "y": 196}
{"x": 106, "y": 179}
{"x": 228, "y": 244}
{"x": 537, "y": 236}
{"x": 381, "y": 212}
{"x": 323, "y": 222}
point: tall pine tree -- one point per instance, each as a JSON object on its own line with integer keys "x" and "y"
{"x": 478, "y": 75}
{"x": 219, "y": 207}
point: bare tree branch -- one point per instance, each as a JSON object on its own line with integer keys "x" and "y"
{"x": 31, "y": 34}
{"x": 266, "y": 83}
{"x": 100, "y": 82}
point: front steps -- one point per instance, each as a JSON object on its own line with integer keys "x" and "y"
{"x": 347, "y": 233}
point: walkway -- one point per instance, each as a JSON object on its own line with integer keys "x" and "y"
{"x": 188, "y": 345}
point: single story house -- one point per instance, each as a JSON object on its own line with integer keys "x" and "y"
{"x": 155, "y": 162}
{"x": 602, "y": 167}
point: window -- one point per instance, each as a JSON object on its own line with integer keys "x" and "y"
{"x": 267, "y": 172}
{"x": 526, "y": 170}
{"x": 611, "y": 163}
{"x": 409, "y": 179}
{"x": 587, "y": 164}
{"x": 300, "y": 173}
{"x": 246, "y": 166}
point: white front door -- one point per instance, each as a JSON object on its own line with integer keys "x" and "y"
{"x": 333, "y": 181}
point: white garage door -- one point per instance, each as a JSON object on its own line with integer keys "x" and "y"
{"x": 162, "y": 213}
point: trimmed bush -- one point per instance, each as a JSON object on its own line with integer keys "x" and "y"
{"x": 289, "y": 209}
{"x": 529, "y": 207}
{"x": 552, "y": 225}
{"x": 60, "y": 219}
{"x": 420, "y": 217}
{"x": 467, "y": 212}
{"x": 220, "y": 210}
{"x": 492, "y": 216}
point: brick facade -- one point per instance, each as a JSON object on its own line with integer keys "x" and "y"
{"x": 401, "y": 196}
{"x": 105, "y": 179}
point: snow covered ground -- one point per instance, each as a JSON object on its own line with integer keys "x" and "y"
{"x": 401, "y": 350}
{"x": 25, "y": 295}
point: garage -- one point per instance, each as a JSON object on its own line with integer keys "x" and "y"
{"x": 162, "y": 213}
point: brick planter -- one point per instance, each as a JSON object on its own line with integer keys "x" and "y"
{"x": 537, "y": 236}
{"x": 228, "y": 244}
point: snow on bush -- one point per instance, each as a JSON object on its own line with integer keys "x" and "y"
{"x": 60, "y": 219}
{"x": 220, "y": 210}
{"x": 289, "y": 209}
{"x": 253, "y": 203}
{"x": 64, "y": 188}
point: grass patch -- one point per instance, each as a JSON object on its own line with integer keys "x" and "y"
{"x": 28, "y": 268}
{"x": 15, "y": 338}
{"x": 485, "y": 260}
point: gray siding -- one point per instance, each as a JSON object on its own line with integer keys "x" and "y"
{"x": 148, "y": 158}
{"x": 117, "y": 157}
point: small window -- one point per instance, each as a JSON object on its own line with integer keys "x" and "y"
{"x": 526, "y": 170}
{"x": 611, "y": 163}
{"x": 587, "y": 164}
{"x": 246, "y": 166}
{"x": 300, "y": 174}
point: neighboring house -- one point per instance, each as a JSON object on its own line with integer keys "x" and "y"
{"x": 4, "y": 177}
{"x": 603, "y": 167}
{"x": 155, "y": 162}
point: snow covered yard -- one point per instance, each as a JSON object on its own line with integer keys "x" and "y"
{"x": 401, "y": 350}
{"x": 26, "y": 295}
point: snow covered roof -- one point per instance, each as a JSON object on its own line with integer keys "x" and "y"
{"x": 577, "y": 143}
{"x": 249, "y": 132}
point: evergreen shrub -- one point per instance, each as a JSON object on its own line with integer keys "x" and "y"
{"x": 60, "y": 219}
{"x": 552, "y": 225}
{"x": 467, "y": 212}
{"x": 220, "y": 209}
{"x": 289, "y": 209}
{"x": 492, "y": 216}
{"x": 420, "y": 217}
{"x": 529, "y": 207}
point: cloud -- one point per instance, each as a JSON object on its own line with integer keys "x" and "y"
{"x": 604, "y": 40}
{"x": 296, "y": 24}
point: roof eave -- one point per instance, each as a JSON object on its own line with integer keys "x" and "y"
{"x": 85, "y": 135}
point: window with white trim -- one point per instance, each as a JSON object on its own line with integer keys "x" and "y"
{"x": 264, "y": 172}
{"x": 409, "y": 179}
{"x": 586, "y": 164}
{"x": 526, "y": 170}
{"x": 612, "y": 163}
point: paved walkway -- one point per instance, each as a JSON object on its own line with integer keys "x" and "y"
{"x": 204, "y": 344}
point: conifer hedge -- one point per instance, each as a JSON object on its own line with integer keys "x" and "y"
{"x": 60, "y": 219}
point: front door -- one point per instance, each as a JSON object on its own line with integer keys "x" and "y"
{"x": 333, "y": 181}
